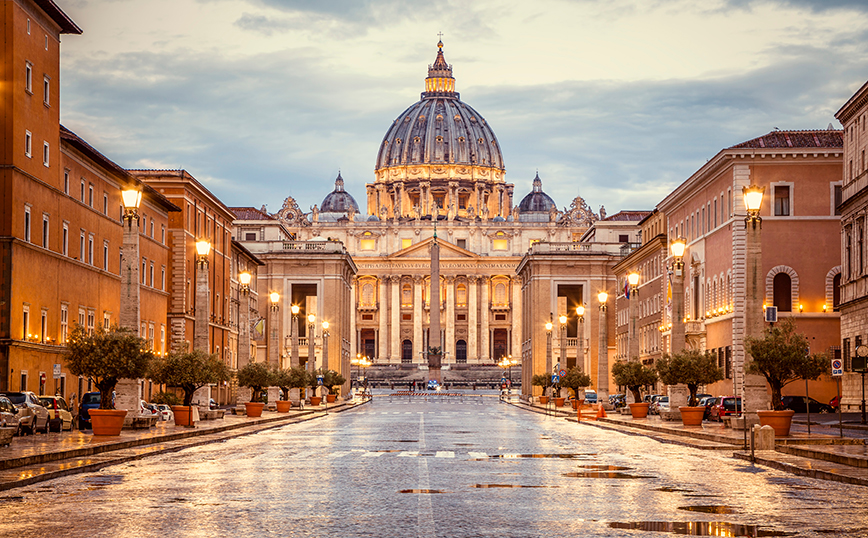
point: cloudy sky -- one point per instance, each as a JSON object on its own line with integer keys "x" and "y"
{"x": 618, "y": 101}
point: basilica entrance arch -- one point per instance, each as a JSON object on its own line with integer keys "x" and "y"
{"x": 407, "y": 351}
{"x": 461, "y": 352}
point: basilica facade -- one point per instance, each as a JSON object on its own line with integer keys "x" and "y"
{"x": 439, "y": 169}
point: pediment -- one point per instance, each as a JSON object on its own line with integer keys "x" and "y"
{"x": 423, "y": 250}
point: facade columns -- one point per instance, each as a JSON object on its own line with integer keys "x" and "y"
{"x": 484, "y": 331}
{"x": 603, "y": 356}
{"x": 354, "y": 343}
{"x": 395, "y": 339}
{"x": 515, "y": 311}
{"x": 472, "y": 310}
{"x": 383, "y": 334}
{"x": 449, "y": 344}
{"x": 418, "y": 282}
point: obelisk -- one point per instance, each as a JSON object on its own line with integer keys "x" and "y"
{"x": 435, "y": 351}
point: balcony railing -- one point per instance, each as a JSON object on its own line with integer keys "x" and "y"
{"x": 546, "y": 247}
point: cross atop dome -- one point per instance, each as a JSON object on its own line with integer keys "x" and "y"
{"x": 440, "y": 82}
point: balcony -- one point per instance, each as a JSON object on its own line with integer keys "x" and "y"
{"x": 545, "y": 247}
{"x": 495, "y": 307}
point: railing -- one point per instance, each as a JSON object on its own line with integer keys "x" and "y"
{"x": 572, "y": 342}
{"x": 546, "y": 247}
{"x": 319, "y": 246}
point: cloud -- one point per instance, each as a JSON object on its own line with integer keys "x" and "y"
{"x": 812, "y": 5}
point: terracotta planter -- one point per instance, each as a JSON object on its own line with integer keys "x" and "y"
{"x": 559, "y": 402}
{"x": 331, "y": 398}
{"x": 691, "y": 416}
{"x": 639, "y": 410}
{"x": 544, "y": 400}
{"x": 779, "y": 420}
{"x": 107, "y": 421}
{"x": 254, "y": 409}
{"x": 575, "y": 405}
{"x": 183, "y": 415}
{"x": 315, "y": 400}
{"x": 283, "y": 406}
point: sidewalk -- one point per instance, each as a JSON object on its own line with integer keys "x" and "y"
{"x": 820, "y": 455}
{"x": 36, "y": 458}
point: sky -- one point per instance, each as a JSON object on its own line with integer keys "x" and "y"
{"x": 617, "y": 101}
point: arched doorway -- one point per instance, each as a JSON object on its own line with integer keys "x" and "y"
{"x": 406, "y": 352}
{"x": 461, "y": 352}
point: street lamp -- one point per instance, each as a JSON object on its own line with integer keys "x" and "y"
{"x": 311, "y": 357}
{"x": 633, "y": 329}
{"x": 562, "y": 336}
{"x": 753, "y": 391}
{"x": 129, "y": 390}
{"x": 203, "y": 249}
{"x": 603, "y": 350}
{"x": 676, "y": 336}
{"x": 274, "y": 297}
{"x": 274, "y": 321}
{"x": 294, "y": 333}
{"x": 244, "y": 278}
{"x": 549, "y": 326}
{"x": 580, "y": 342}
{"x": 325, "y": 345}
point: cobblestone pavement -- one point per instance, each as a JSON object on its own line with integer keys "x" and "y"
{"x": 442, "y": 467}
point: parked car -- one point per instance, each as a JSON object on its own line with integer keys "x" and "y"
{"x": 797, "y": 404}
{"x": 590, "y": 396}
{"x": 725, "y": 407}
{"x": 8, "y": 414}
{"x": 89, "y": 400}
{"x": 618, "y": 400}
{"x": 708, "y": 402}
{"x": 146, "y": 409}
{"x": 58, "y": 412}
{"x": 32, "y": 416}
{"x": 212, "y": 404}
{"x": 433, "y": 384}
{"x": 650, "y": 398}
{"x": 165, "y": 412}
{"x": 660, "y": 404}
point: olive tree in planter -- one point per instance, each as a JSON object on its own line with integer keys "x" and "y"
{"x": 333, "y": 381}
{"x": 188, "y": 371}
{"x": 634, "y": 376}
{"x": 692, "y": 368}
{"x": 781, "y": 356}
{"x": 106, "y": 356}
{"x": 544, "y": 381}
{"x": 576, "y": 380}
{"x": 257, "y": 376}
{"x": 287, "y": 379}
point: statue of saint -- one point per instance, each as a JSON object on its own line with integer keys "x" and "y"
{"x": 314, "y": 213}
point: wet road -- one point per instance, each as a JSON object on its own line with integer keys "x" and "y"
{"x": 469, "y": 468}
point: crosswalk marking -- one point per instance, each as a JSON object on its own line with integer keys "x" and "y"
{"x": 409, "y": 454}
{"x": 477, "y": 454}
{"x": 338, "y": 454}
{"x": 372, "y": 454}
{"x": 444, "y": 454}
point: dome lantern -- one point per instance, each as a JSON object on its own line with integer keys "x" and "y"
{"x": 440, "y": 82}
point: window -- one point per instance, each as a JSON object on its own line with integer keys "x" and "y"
{"x": 25, "y": 322}
{"x": 836, "y": 199}
{"x": 163, "y": 234}
{"x": 43, "y": 325}
{"x": 499, "y": 242}
{"x": 368, "y": 295}
{"x": 151, "y": 274}
{"x": 406, "y": 295}
{"x": 27, "y": 223}
{"x": 81, "y": 317}
{"x": 66, "y": 182}
{"x": 144, "y": 273}
{"x": 81, "y": 247}
{"x": 65, "y": 244}
{"x": 715, "y": 213}
{"x": 90, "y": 249}
{"x": 836, "y": 291}
{"x": 64, "y": 322}
{"x": 500, "y": 294}
{"x": 106, "y": 320}
{"x": 104, "y": 204}
{"x": 783, "y": 298}
{"x": 44, "y": 231}
{"x": 105, "y": 255}
{"x": 91, "y": 321}
{"x": 162, "y": 339}
{"x": 28, "y": 33}
{"x": 406, "y": 243}
{"x": 46, "y": 153}
{"x": 461, "y": 295}
{"x": 152, "y": 228}
{"x": 623, "y": 238}
{"x": 46, "y": 84}
{"x": 28, "y": 143}
{"x": 81, "y": 197}
{"x": 28, "y": 77}
{"x": 90, "y": 195}
{"x": 368, "y": 242}
{"x": 250, "y": 236}
{"x": 462, "y": 243}
{"x": 782, "y": 200}
{"x": 163, "y": 278}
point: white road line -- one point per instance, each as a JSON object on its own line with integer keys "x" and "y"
{"x": 409, "y": 454}
{"x": 444, "y": 454}
{"x": 477, "y": 454}
{"x": 372, "y": 454}
{"x": 338, "y": 454}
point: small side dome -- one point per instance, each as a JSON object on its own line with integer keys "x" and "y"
{"x": 373, "y": 218}
{"x": 536, "y": 201}
{"x": 498, "y": 218}
{"x": 339, "y": 200}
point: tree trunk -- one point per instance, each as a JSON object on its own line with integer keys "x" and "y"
{"x": 637, "y": 396}
{"x": 776, "y": 396}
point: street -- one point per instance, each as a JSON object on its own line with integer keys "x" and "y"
{"x": 449, "y": 466}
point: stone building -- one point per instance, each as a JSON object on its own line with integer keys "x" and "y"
{"x": 852, "y": 295}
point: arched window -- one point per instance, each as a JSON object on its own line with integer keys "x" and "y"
{"x": 783, "y": 292}
{"x": 461, "y": 294}
{"x": 406, "y": 295}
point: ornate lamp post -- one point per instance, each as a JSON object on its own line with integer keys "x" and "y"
{"x": 364, "y": 364}
{"x": 580, "y": 341}
{"x": 753, "y": 390}
{"x": 633, "y": 329}
{"x": 549, "y": 326}
{"x": 325, "y": 345}
{"x": 311, "y": 356}
{"x": 676, "y": 336}
{"x": 244, "y": 278}
{"x": 202, "y": 311}
{"x": 603, "y": 351}
{"x": 294, "y": 332}
{"x": 562, "y": 336}
{"x": 355, "y": 362}
{"x": 273, "y": 329}
{"x": 128, "y": 391}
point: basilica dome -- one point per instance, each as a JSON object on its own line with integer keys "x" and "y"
{"x": 536, "y": 200}
{"x": 339, "y": 200}
{"x": 440, "y": 128}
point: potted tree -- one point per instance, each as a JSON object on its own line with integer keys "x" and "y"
{"x": 256, "y": 376}
{"x": 188, "y": 371}
{"x": 781, "y": 356}
{"x": 634, "y": 376}
{"x": 576, "y": 380}
{"x": 544, "y": 381}
{"x": 692, "y": 368}
{"x": 288, "y": 379}
{"x": 333, "y": 381}
{"x": 107, "y": 356}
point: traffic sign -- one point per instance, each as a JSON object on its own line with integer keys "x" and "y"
{"x": 562, "y": 373}
{"x": 837, "y": 368}
{"x": 319, "y": 380}
{"x": 56, "y": 371}
{"x": 555, "y": 379}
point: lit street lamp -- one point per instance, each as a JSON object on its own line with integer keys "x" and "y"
{"x": 273, "y": 329}
{"x": 676, "y": 337}
{"x": 580, "y": 341}
{"x": 129, "y": 390}
{"x": 753, "y": 390}
{"x": 244, "y": 278}
{"x": 293, "y": 330}
{"x": 311, "y": 357}
{"x": 549, "y": 326}
{"x": 325, "y": 345}
{"x": 603, "y": 351}
{"x": 633, "y": 329}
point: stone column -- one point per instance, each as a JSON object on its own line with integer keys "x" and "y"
{"x": 580, "y": 347}
{"x": 311, "y": 355}
{"x": 128, "y": 392}
{"x": 383, "y": 305}
{"x": 243, "y": 393}
{"x": 354, "y": 342}
{"x": 484, "y": 351}
{"x": 273, "y": 335}
{"x": 755, "y": 397}
{"x": 418, "y": 282}
{"x": 678, "y": 394}
{"x": 603, "y": 357}
{"x": 449, "y": 344}
{"x": 395, "y": 354}
{"x": 515, "y": 311}
{"x": 200, "y": 331}
{"x": 472, "y": 311}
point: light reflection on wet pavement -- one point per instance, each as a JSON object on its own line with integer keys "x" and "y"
{"x": 436, "y": 469}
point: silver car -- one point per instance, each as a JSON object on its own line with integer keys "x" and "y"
{"x": 32, "y": 417}
{"x": 8, "y": 414}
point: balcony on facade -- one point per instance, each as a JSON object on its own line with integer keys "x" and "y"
{"x": 546, "y": 247}
{"x": 301, "y": 247}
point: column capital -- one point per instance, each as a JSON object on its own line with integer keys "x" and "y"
{"x": 395, "y": 279}
{"x": 449, "y": 279}
{"x": 472, "y": 278}
{"x": 418, "y": 278}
